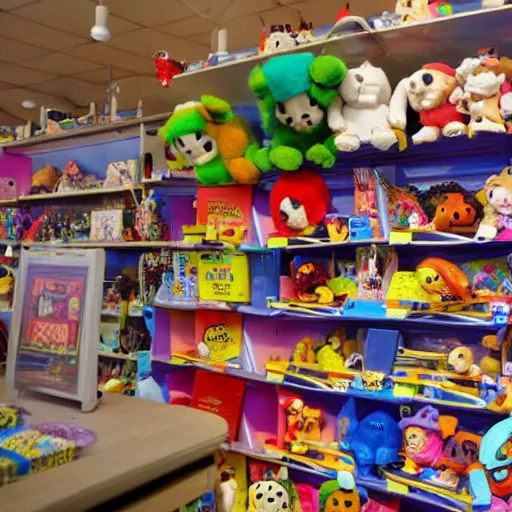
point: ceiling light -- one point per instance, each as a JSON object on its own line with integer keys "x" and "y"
{"x": 100, "y": 32}
{"x": 29, "y": 104}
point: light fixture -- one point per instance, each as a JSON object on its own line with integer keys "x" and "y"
{"x": 29, "y": 104}
{"x": 100, "y": 32}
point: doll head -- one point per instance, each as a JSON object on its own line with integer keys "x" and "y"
{"x": 431, "y": 86}
{"x": 267, "y": 496}
{"x": 365, "y": 87}
{"x": 340, "y": 495}
{"x": 484, "y": 82}
{"x": 460, "y": 360}
{"x": 422, "y": 446}
{"x": 498, "y": 191}
{"x": 301, "y": 113}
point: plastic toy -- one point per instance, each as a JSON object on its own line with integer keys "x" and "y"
{"x": 44, "y": 180}
{"x": 73, "y": 178}
{"x": 311, "y": 284}
{"x": 214, "y": 140}
{"x": 284, "y": 37}
{"x": 360, "y": 228}
{"x": 360, "y": 113}
{"x": 294, "y": 92}
{"x": 148, "y": 219}
{"x": 341, "y": 495}
{"x": 166, "y": 68}
{"x": 299, "y": 202}
{"x": 121, "y": 174}
{"x": 490, "y": 364}
{"x": 434, "y": 93}
{"x": 412, "y": 11}
{"x": 460, "y": 361}
{"x": 497, "y": 220}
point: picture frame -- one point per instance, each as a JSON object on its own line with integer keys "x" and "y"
{"x": 106, "y": 225}
{"x": 55, "y": 327}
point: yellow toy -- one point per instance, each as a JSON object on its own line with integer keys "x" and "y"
{"x": 461, "y": 362}
{"x": 304, "y": 352}
{"x": 44, "y": 180}
{"x": 490, "y": 364}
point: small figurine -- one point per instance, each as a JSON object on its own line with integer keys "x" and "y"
{"x": 461, "y": 361}
{"x": 304, "y": 352}
{"x": 294, "y": 424}
{"x": 497, "y": 220}
{"x": 360, "y": 113}
{"x": 279, "y": 38}
{"x": 148, "y": 223}
{"x": 491, "y": 363}
{"x": 311, "y": 284}
{"x": 341, "y": 495}
{"x": 434, "y": 93}
{"x": 166, "y": 68}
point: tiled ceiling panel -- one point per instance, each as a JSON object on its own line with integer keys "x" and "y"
{"x": 60, "y": 64}
{"x": 188, "y": 27}
{"x": 35, "y": 34}
{"x": 14, "y": 51}
{"x": 74, "y": 16}
{"x": 5, "y": 5}
{"x": 18, "y": 75}
{"x": 78, "y": 92}
{"x": 101, "y": 75}
{"x": 145, "y": 42}
{"x": 151, "y": 12}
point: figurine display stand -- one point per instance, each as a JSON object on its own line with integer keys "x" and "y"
{"x": 53, "y": 347}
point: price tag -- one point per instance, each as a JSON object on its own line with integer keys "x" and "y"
{"x": 400, "y": 237}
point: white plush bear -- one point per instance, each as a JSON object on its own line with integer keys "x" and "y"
{"x": 360, "y": 112}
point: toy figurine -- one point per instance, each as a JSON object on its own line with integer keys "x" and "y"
{"x": 434, "y": 93}
{"x": 279, "y": 38}
{"x": 166, "y": 68}
{"x": 44, "y": 180}
{"x": 443, "y": 280}
{"x": 214, "y": 140}
{"x": 360, "y": 113}
{"x": 491, "y": 363}
{"x": 497, "y": 221}
{"x": 294, "y": 92}
{"x": 341, "y": 495}
{"x": 304, "y": 352}
{"x": 272, "y": 494}
{"x": 460, "y": 361}
{"x": 299, "y": 202}
{"x": 149, "y": 224}
{"x": 423, "y": 443}
{"x": 311, "y": 284}
{"x": 294, "y": 424}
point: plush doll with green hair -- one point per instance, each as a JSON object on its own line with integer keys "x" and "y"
{"x": 342, "y": 494}
{"x": 214, "y": 140}
{"x": 294, "y": 92}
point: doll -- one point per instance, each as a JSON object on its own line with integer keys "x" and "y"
{"x": 497, "y": 221}
{"x": 214, "y": 140}
{"x": 423, "y": 443}
{"x": 294, "y": 92}
{"x": 342, "y": 494}
{"x": 434, "y": 93}
{"x": 360, "y": 113}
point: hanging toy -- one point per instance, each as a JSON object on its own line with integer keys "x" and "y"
{"x": 166, "y": 68}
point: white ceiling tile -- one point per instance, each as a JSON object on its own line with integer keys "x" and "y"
{"x": 149, "y": 12}
{"x": 14, "y": 51}
{"x": 35, "y": 34}
{"x": 6, "y": 5}
{"x": 74, "y": 16}
{"x": 145, "y": 42}
{"x": 4, "y": 86}
{"x": 101, "y": 75}
{"x": 76, "y": 91}
{"x": 108, "y": 56}
{"x": 21, "y": 76}
{"x": 8, "y": 119}
{"x": 244, "y": 8}
{"x": 60, "y": 64}
{"x": 203, "y": 39}
{"x": 190, "y": 26}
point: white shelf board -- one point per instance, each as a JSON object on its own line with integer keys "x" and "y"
{"x": 398, "y": 50}
{"x": 78, "y": 193}
{"x": 12, "y": 243}
{"x": 86, "y": 136}
{"x": 94, "y": 245}
{"x": 117, "y": 355}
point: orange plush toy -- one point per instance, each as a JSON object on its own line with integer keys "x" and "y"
{"x": 299, "y": 202}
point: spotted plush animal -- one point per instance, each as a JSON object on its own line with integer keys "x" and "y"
{"x": 268, "y": 496}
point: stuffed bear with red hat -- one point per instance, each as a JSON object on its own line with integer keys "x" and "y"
{"x": 434, "y": 93}
{"x": 299, "y": 202}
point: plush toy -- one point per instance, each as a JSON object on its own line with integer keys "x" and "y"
{"x": 215, "y": 141}
{"x": 434, "y": 93}
{"x": 360, "y": 112}
{"x": 299, "y": 202}
{"x": 340, "y": 495}
{"x": 294, "y": 92}
{"x": 310, "y": 282}
{"x": 44, "y": 180}
{"x": 461, "y": 361}
{"x": 497, "y": 220}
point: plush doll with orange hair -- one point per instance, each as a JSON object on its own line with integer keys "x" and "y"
{"x": 299, "y": 202}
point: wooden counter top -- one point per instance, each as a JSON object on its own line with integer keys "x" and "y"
{"x": 139, "y": 441}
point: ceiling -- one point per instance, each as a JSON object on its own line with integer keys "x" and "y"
{"x": 48, "y": 56}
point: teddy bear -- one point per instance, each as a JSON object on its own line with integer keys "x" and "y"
{"x": 461, "y": 362}
{"x": 432, "y": 91}
{"x": 360, "y": 112}
{"x": 214, "y": 140}
{"x": 497, "y": 221}
{"x": 294, "y": 92}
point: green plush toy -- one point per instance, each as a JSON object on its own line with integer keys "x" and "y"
{"x": 214, "y": 140}
{"x": 294, "y": 92}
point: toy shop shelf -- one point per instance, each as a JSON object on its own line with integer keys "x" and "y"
{"x": 83, "y": 136}
{"x": 78, "y": 193}
{"x": 11, "y": 243}
{"x": 194, "y": 307}
{"x": 399, "y": 50}
{"x": 370, "y": 484}
{"x": 95, "y": 245}
{"x": 115, "y": 355}
{"x": 8, "y": 202}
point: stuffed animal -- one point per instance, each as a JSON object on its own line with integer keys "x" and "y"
{"x": 497, "y": 220}
{"x": 294, "y": 93}
{"x": 214, "y": 140}
{"x": 434, "y": 93}
{"x": 299, "y": 202}
{"x": 44, "y": 180}
{"x": 341, "y": 495}
{"x": 360, "y": 112}
{"x": 461, "y": 362}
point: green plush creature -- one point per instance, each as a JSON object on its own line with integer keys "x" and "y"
{"x": 294, "y": 92}
{"x": 215, "y": 141}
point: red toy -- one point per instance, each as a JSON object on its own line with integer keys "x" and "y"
{"x": 299, "y": 202}
{"x": 166, "y": 68}
{"x": 343, "y": 13}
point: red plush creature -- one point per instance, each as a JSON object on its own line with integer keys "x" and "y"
{"x": 299, "y": 202}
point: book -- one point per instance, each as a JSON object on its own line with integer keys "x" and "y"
{"x": 221, "y": 395}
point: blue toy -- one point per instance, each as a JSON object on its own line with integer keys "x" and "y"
{"x": 360, "y": 228}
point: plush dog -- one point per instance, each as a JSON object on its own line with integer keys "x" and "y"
{"x": 299, "y": 202}
{"x": 461, "y": 362}
{"x": 497, "y": 220}
{"x": 294, "y": 93}
{"x": 434, "y": 93}
{"x": 215, "y": 141}
{"x": 360, "y": 112}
